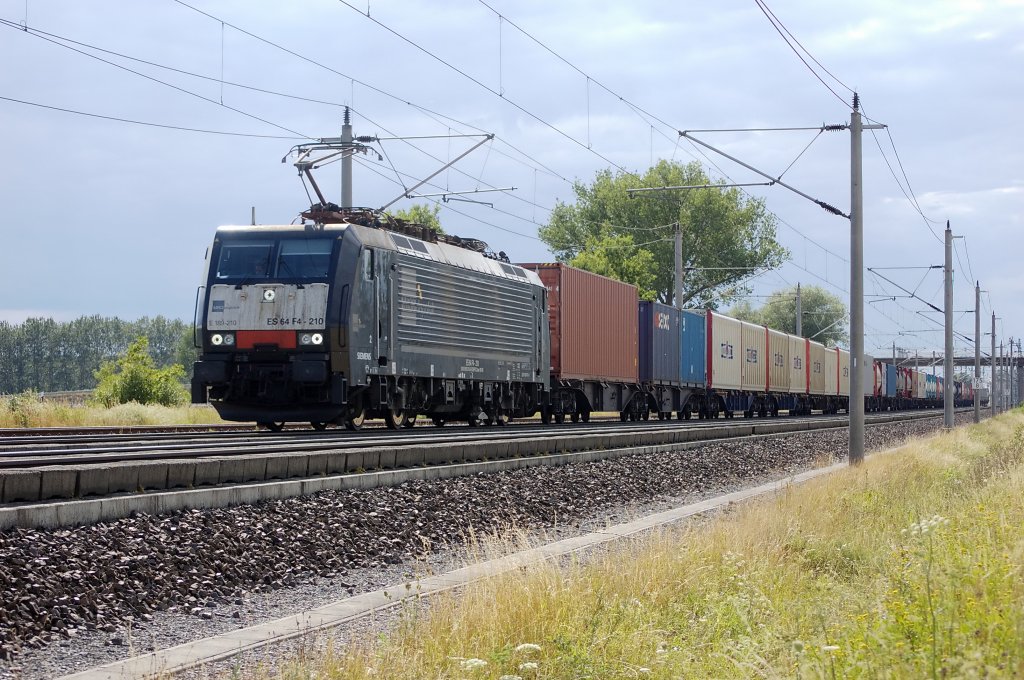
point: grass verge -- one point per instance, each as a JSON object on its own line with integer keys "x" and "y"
{"x": 30, "y": 410}
{"x": 907, "y": 566}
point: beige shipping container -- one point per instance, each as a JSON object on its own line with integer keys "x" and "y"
{"x": 724, "y": 342}
{"x": 798, "y": 362}
{"x": 778, "y": 361}
{"x": 755, "y": 357}
{"x": 831, "y": 371}
{"x": 920, "y": 384}
{"x": 844, "y": 373}
{"x": 816, "y": 366}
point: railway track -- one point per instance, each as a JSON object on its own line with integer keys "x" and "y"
{"x": 79, "y": 446}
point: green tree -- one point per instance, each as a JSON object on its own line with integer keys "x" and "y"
{"x": 619, "y": 258}
{"x": 423, "y": 214}
{"x": 744, "y": 311}
{"x": 825, "y": 315}
{"x": 725, "y": 235}
{"x": 135, "y": 377}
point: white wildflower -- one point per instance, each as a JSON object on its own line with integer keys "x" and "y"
{"x": 528, "y": 647}
{"x": 472, "y": 664}
{"x": 511, "y": 677}
{"x": 927, "y": 525}
{"x": 830, "y": 648}
{"x": 528, "y": 666}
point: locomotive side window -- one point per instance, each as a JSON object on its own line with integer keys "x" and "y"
{"x": 244, "y": 259}
{"x": 366, "y": 261}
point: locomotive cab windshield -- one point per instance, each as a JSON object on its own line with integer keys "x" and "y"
{"x": 285, "y": 259}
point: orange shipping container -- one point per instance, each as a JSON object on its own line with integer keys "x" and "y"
{"x": 755, "y": 354}
{"x": 779, "y": 372}
{"x": 594, "y": 324}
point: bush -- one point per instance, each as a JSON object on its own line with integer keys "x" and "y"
{"x": 135, "y": 377}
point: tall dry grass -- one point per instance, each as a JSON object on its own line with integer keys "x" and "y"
{"x": 908, "y": 566}
{"x": 30, "y": 410}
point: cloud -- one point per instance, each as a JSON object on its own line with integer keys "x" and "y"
{"x": 965, "y": 203}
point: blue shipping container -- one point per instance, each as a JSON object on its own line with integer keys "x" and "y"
{"x": 659, "y": 344}
{"x": 890, "y": 380}
{"x": 693, "y": 349}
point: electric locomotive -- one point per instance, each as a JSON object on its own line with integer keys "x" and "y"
{"x": 338, "y": 322}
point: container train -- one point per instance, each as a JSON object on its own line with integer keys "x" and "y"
{"x": 374, "y": 318}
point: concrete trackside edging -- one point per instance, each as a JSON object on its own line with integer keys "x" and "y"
{"x": 211, "y": 650}
{"x": 334, "y": 471}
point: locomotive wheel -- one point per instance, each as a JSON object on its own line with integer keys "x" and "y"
{"x": 392, "y": 418}
{"x": 355, "y": 419}
{"x": 408, "y": 419}
{"x": 319, "y": 426}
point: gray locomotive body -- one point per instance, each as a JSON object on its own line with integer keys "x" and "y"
{"x": 339, "y": 322}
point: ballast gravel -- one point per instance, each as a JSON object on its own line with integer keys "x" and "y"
{"x": 73, "y": 599}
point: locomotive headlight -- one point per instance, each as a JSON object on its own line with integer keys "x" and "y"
{"x": 217, "y": 339}
{"x": 229, "y": 339}
{"x": 226, "y": 339}
{"x": 308, "y": 339}
{"x": 269, "y": 294}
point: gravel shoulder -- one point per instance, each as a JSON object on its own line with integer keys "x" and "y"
{"x": 82, "y": 597}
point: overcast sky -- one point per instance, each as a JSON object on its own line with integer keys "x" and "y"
{"x": 113, "y": 218}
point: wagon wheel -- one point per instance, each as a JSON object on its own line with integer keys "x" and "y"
{"x": 545, "y": 416}
{"x": 408, "y": 419}
{"x": 473, "y": 420}
{"x": 623, "y": 416}
{"x": 559, "y": 418}
{"x": 502, "y": 417}
{"x": 437, "y": 421}
{"x": 273, "y": 427}
{"x": 318, "y": 425}
{"x": 575, "y": 417}
{"x": 585, "y": 416}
